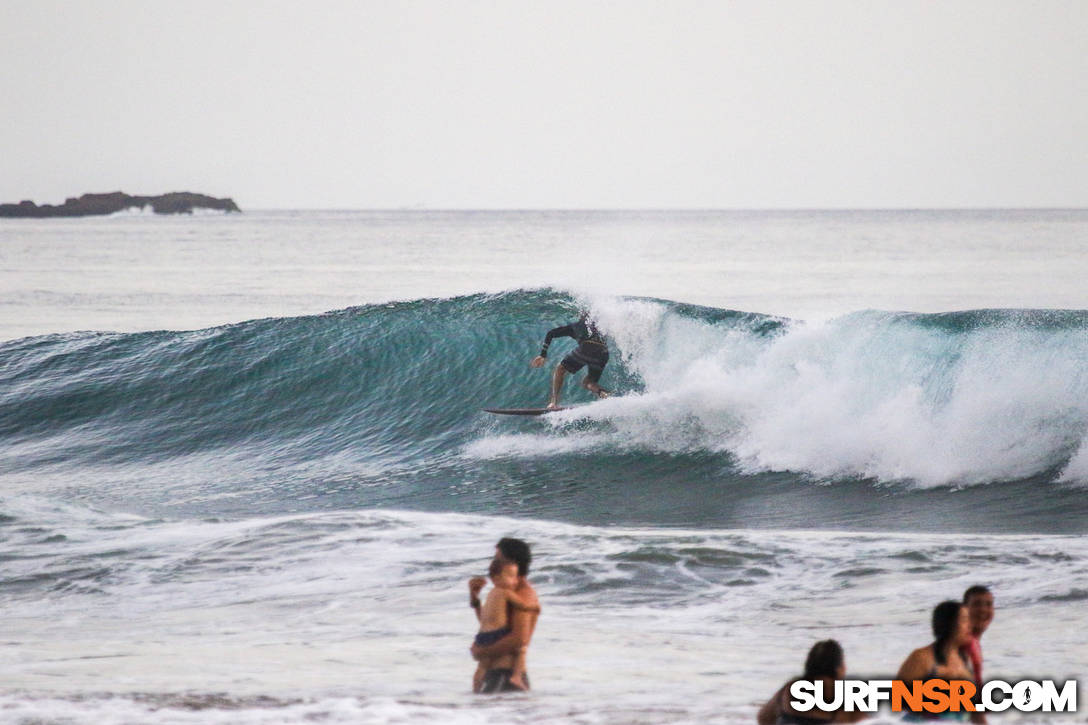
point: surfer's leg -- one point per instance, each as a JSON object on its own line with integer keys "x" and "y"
{"x": 557, "y": 386}
{"x": 595, "y": 389}
{"x": 589, "y": 382}
{"x": 572, "y": 363}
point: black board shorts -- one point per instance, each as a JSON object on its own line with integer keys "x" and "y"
{"x": 595, "y": 357}
{"x": 498, "y": 680}
{"x": 485, "y": 639}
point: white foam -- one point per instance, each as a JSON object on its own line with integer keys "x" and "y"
{"x": 148, "y": 211}
{"x": 219, "y": 710}
{"x": 144, "y": 211}
{"x": 361, "y": 616}
{"x": 868, "y": 395}
{"x": 529, "y": 446}
{"x": 1076, "y": 471}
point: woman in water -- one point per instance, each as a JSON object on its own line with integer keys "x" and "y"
{"x": 942, "y": 658}
{"x": 825, "y": 662}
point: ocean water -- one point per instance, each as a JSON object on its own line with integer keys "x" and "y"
{"x": 244, "y": 474}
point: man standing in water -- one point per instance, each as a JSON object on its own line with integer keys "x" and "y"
{"x": 522, "y": 622}
{"x": 979, "y": 601}
{"x": 592, "y": 352}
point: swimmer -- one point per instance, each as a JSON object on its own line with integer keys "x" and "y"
{"x": 494, "y": 615}
{"x": 979, "y": 601}
{"x": 522, "y": 623}
{"x": 942, "y": 659}
{"x": 826, "y": 662}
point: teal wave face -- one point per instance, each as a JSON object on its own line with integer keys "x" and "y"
{"x": 380, "y": 405}
{"x": 398, "y": 376}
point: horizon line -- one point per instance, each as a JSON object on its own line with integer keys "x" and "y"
{"x": 668, "y": 209}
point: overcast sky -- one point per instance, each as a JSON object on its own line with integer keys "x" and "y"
{"x": 579, "y": 104}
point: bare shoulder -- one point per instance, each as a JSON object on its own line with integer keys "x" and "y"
{"x": 916, "y": 665}
{"x": 922, "y": 654}
{"x": 526, "y": 591}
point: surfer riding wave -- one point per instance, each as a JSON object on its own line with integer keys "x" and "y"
{"x": 591, "y": 353}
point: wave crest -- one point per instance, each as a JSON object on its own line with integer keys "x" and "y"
{"x": 938, "y": 400}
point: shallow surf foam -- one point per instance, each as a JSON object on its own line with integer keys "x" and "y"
{"x": 119, "y": 618}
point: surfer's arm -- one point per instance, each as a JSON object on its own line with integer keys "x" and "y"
{"x": 564, "y": 331}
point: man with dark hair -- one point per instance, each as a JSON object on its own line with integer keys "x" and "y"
{"x": 979, "y": 601}
{"x": 522, "y": 621}
{"x": 517, "y": 551}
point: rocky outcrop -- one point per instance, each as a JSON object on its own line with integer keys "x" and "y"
{"x": 178, "y": 202}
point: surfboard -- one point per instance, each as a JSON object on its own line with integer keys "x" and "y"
{"x": 521, "y": 411}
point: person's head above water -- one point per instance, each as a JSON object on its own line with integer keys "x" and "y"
{"x": 825, "y": 659}
{"x": 504, "y": 574}
{"x": 979, "y": 601}
{"x": 516, "y": 551}
{"x": 950, "y": 626}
